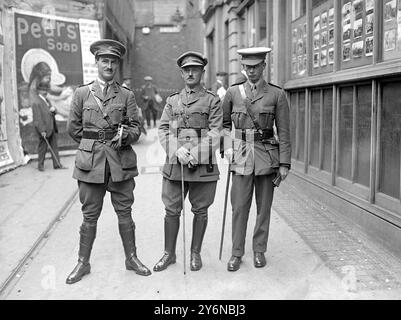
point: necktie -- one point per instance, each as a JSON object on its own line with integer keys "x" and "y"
{"x": 106, "y": 87}
{"x": 253, "y": 90}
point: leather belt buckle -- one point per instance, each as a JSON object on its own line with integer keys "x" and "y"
{"x": 101, "y": 134}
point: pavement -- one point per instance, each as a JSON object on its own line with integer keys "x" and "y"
{"x": 312, "y": 254}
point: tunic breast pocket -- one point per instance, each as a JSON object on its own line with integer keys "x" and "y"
{"x": 266, "y": 117}
{"x": 240, "y": 119}
{"x": 115, "y": 113}
{"x": 198, "y": 120}
{"x": 89, "y": 114}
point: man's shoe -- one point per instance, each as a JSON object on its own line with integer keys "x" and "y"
{"x": 134, "y": 264}
{"x": 196, "y": 261}
{"x": 234, "y": 263}
{"x": 164, "y": 262}
{"x": 259, "y": 259}
{"x": 79, "y": 271}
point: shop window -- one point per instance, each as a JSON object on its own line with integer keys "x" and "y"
{"x": 354, "y": 137}
{"x": 314, "y": 158}
{"x": 298, "y": 9}
{"x": 344, "y": 165}
{"x": 251, "y": 29}
{"x": 327, "y": 129}
{"x": 301, "y": 126}
{"x": 299, "y": 38}
{"x": 391, "y": 29}
{"x": 262, "y": 20}
{"x": 390, "y": 139}
{"x": 363, "y": 134}
{"x": 357, "y": 25}
{"x": 323, "y": 37}
{"x": 293, "y": 121}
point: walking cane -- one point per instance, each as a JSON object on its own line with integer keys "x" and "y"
{"x": 225, "y": 211}
{"x": 183, "y": 214}
{"x": 51, "y": 150}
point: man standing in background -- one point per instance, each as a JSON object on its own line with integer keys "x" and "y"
{"x": 148, "y": 94}
{"x": 43, "y": 114}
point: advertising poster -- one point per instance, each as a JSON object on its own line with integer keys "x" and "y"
{"x": 5, "y": 157}
{"x": 3, "y": 133}
{"x": 90, "y": 32}
{"x": 1, "y": 27}
{"x": 392, "y": 29}
{"x": 298, "y": 61}
{"x": 50, "y": 42}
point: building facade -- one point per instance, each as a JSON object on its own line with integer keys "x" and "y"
{"x": 58, "y": 33}
{"x": 164, "y": 30}
{"x": 340, "y": 64}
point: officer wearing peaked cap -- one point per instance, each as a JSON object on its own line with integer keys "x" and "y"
{"x": 189, "y": 132}
{"x": 104, "y": 121}
{"x": 258, "y": 157}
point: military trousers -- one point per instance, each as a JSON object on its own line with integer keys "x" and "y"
{"x": 200, "y": 194}
{"x": 241, "y": 200}
{"x": 42, "y": 148}
{"x": 91, "y": 196}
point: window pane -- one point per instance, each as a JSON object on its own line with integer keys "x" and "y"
{"x": 315, "y": 129}
{"x": 301, "y": 126}
{"x": 262, "y": 19}
{"x": 363, "y": 109}
{"x": 327, "y": 128}
{"x": 390, "y": 135}
{"x": 345, "y": 133}
{"x": 293, "y": 121}
{"x": 298, "y": 9}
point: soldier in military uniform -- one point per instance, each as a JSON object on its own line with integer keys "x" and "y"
{"x": 190, "y": 133}
{"x": 254, "y": 107}
{"x": 104, "y": 120}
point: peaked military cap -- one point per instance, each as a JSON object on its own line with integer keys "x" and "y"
{"x": 253, "y": 56}
{"x": 191, "y": 58}
{"x": 148, "y": 78}
{"x": 108, "y": 47}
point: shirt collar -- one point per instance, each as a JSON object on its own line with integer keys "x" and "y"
{"x": 103, "y": 83}
{"x": 193, "y": 90}
{"x": 258, "y": 84}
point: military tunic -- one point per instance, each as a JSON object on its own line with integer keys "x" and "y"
{"x": 255, "y": 163}
{"x": 193, "y": 120}
{"x": 98, "y": 166}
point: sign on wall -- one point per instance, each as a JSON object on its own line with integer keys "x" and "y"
{"x": 46, "y": 41}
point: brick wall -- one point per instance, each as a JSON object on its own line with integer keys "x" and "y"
{"x": 155, "y": 53}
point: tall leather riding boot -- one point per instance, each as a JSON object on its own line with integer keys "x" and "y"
{"x": 198, "y": 232}
{"x": 171, "y": 227}
{"x": 127, "y": 233}
{"x": 87, "y": 237}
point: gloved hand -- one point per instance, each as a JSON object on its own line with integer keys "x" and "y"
{"x": 43, "y": 134}
{"x": 115, "y": 141}
{"x": 228, "y": 154}
{"x": 283, "y": 172}
{"x": 183, "y": 155}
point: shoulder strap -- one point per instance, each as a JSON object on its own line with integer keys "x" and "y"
{"x": 183, "y": 113}
{"x": 100, "y": 106}
{"x": 243, "y": 95}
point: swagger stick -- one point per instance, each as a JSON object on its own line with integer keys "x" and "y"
{"x": 52, "y": 151}
{"x": 225, "y": 211}
{"x": 183, "y": 214}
